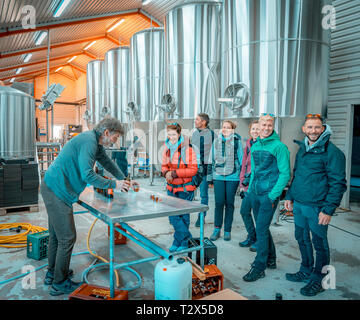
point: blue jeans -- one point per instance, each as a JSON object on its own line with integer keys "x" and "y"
{"x": 181, "y": 222}
{"x": 204, "y": 194}
{"x": 306, "y": 220}
{"x": 263, "y": 211}
{"x": 224, "y": 197}
{"x": 245, "y": 211}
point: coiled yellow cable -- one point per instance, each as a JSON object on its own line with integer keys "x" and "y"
{"x": 18, "y": 240}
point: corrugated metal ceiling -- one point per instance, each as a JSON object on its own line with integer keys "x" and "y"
{"x": 11, "y": 16}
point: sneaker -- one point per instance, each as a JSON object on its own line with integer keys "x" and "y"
{"x": 253, "y": 275}
{"x": 49, "y": 277}
{"x": 253, "y": 247}
{"x": 227, "y": 236}
{"x": 312, "y": 289}
{"x": 247, "y": 242}
{"x": 297, "y": 277}
{"x": 215, "y": 235}
{"x": 65, "y": 287}
{"x": 271, "y": 264}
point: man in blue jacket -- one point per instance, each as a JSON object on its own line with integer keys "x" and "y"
{"x": 270, "y": 173}
{"x": 64, "y": 181}
{"x": 315, "y": 192}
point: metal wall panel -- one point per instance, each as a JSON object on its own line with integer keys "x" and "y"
{"x": 344, "y": 79}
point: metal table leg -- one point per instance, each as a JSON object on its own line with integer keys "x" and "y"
{"x": 202, "y": 250}
{"x": 112, "y": 260}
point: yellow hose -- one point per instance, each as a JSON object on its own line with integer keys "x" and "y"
{"x": 98, "y": 257}
{"x": 18, "y": 240}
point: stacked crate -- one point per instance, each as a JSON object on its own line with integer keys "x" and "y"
{"x": 19, "y": 184}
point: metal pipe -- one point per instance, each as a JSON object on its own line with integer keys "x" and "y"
{"x": 148, "y": 242}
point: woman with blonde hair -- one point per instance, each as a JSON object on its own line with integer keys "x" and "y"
{"x": 245, "y": 209}
{"x": 226, "y": 165}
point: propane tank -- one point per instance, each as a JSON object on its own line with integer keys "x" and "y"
{"x": 173, "y": 279}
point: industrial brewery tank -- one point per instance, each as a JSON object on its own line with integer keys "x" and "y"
{"x": 277, "y": 52}
{"x": 95, "y": 91}
{"x": 193, "y": 58}
{"x": 117, "y": 82}
{"x": 147, "y": 71}
{"x": 17, "y": 124}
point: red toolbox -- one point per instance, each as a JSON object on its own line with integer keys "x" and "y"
{"x": 92, "y": 292}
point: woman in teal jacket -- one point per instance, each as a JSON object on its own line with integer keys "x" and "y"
{"x": 225, "y": 170}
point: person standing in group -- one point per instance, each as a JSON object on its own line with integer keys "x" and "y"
{"x": 270, "y": 173}
{"x": 245, "y": 209}
{"x": 226, "y": 159}
{"x": 318, "y": 185}
{"x": 179, "y": 166}
{"x": 64, "y": 181}
{"x": 202, "y": 140}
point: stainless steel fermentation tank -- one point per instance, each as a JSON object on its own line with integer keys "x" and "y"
{"x": 17, "y": 124}
{"x": 147, "y": 72}
{"x": 275, "y": 56}
{"x": 193, "y": 58}
{"x": 117, "y": 83}
{"x": 95, "y": 91}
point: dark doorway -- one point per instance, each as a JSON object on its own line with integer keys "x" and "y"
{"x": 355, "y": 159}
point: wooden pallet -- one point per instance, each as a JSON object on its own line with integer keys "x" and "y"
{"x": 23, "y": 208}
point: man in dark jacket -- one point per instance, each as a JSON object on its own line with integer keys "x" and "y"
{"x": 315, "y": 192}
{"x": 202, "y": 140}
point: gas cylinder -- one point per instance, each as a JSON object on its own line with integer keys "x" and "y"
{"x": 173, "y": 279}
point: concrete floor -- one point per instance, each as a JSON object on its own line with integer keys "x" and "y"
{"x": 233, "y": 261}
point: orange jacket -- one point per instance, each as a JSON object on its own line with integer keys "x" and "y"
{"x": 182, "y": 174}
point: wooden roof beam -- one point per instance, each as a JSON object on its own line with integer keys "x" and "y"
{"x": 5, "y": 32}
{"x": 23, "y": 74}
{"x": 52, "y": 46}
{"x": 42, "y": 61}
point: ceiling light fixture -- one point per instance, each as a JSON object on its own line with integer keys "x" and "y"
{"x": 40, "y": 38}
{"x": 72, "y": 59}
{"x": 89, "y": 45}
{"x": 58, "y": 69}
{"x": 60, "y": 8}
{"x": 116, "y": 25}
{"x": 18, "y": 70}
{"x": 145, "y": 2}
{"x": 27, "y": 57}
{"x": 12, "y": 80}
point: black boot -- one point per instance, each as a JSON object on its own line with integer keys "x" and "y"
{"x": 312, "y": 289}
{"x": 247, "y": 242}
{"x": 253, "y": 275}
{"x": 297, "y": 277}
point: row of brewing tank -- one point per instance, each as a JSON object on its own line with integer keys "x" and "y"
{"x": 277, "y": 50}
{"x": 267, "y": 55}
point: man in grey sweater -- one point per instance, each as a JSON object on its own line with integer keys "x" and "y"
{"x": 202, "y": 140}
{"x": 64, "y": 181}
